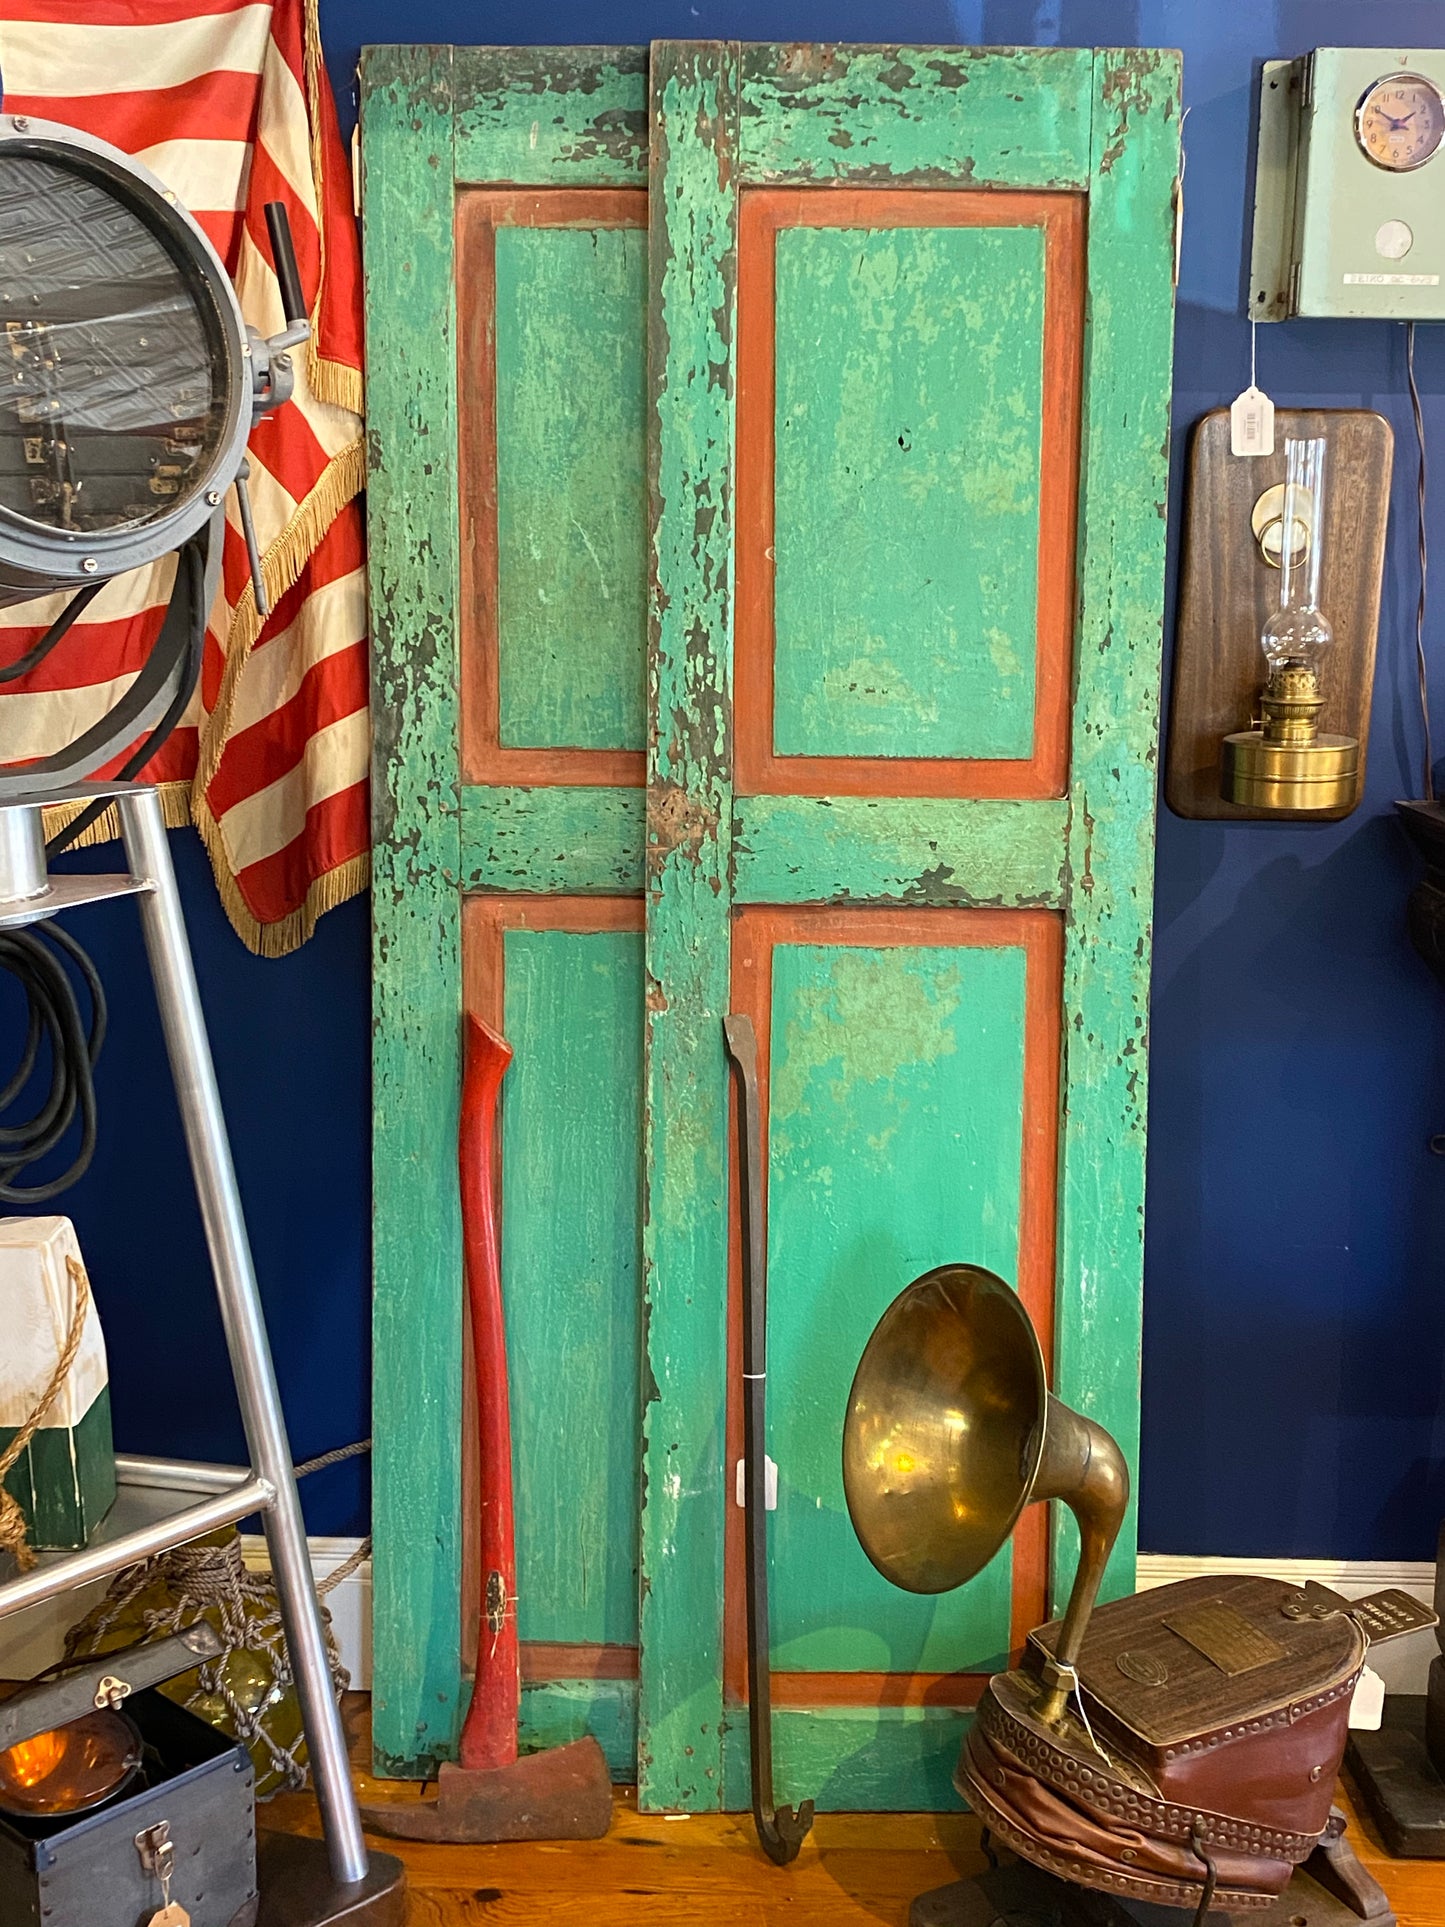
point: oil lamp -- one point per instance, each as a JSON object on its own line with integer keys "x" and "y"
{"x": 1285, "y": 762}
{"x": 70, "y": 1768}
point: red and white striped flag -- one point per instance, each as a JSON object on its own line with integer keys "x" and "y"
{"x": 229, "y": 103}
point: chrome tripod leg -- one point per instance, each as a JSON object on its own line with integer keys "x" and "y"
{"x": 189, "y": 1051}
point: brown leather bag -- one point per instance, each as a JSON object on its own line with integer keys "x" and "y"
{"x": 1207, "y": 1730}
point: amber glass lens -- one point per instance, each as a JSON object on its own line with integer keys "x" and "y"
{"x": 71, "y": 1768}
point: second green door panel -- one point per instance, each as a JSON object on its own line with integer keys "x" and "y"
{"x": 571, "y": 1245}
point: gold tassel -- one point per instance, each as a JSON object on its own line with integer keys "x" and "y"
{"x": 331, "y": 381}
{"x": 278, "y": 939}
{"x": 340, "y": 481}
{"x": 175, "y": 808}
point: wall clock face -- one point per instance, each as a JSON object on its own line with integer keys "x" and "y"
{"x": 1400, "y": 122}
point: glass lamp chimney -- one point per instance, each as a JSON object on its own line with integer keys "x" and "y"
{"x": 1297, "y": 635}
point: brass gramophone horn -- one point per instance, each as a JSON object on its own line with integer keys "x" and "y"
{"x": 952, "y": 1430}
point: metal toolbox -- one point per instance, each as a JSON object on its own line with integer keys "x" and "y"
{"x": 189, "y": 1809}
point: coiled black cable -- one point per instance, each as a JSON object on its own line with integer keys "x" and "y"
{"x": 37, "y": 956}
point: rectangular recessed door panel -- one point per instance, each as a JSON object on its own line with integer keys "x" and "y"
{"x": 552, "y": 397}
{"x": 896, "y": 1095}
{"x": 908, "y": 430}
{"x": 571, "y": 1128}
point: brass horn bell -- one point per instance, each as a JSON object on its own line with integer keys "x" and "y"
{"x": 952, "y": 1430}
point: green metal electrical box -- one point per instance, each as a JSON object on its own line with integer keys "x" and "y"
{"x": 1349, "y": 192}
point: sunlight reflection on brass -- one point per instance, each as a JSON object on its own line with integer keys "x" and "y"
{"x": 944, "y": 1429}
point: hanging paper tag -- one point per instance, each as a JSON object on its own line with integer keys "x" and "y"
{"x": 1251, "y": 423}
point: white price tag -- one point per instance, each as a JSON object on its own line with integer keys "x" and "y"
{"x": 1251, "y": 423}
{"x": 1367, "y": 1705}
{"x": 770, "y": 1485}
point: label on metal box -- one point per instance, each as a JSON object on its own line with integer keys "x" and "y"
{"x": 1225, "y": 1637}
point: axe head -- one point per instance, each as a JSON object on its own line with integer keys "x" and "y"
{"x": 562, "y": 1793}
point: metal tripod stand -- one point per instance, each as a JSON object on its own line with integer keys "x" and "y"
{"x": 160, "y": 1503}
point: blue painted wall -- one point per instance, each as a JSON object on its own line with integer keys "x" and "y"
{"x": 1294, "y": 1372}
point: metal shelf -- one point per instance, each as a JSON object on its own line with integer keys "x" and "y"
{"x": 68, "y": 893}
{"x": 159, "y": 1504}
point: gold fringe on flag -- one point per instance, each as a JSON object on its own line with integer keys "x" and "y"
{"x": 331, "y": 381}
{"x": 342, "y": 479}
{"x": 288, "y": 933}
{"x": 175, "y": 808}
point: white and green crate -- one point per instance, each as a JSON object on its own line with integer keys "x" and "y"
{"x": 64, "y": 1480}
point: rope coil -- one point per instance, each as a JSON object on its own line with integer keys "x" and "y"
{"x": 210, "y": 1579}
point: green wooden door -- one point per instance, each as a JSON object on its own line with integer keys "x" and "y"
{"x": 506, "y": 232}
{"x": 845, "y": 372}
{"x": 910, "y": 324}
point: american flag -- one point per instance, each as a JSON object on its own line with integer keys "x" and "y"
{"x": 229, "y": 103}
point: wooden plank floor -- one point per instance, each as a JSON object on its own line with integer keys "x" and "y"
{"x": 855, "y": 1870}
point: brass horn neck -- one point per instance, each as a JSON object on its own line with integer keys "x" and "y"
{"x": 1083, "y": 1466}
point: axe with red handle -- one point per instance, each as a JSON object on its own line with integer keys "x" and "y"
{"x": 494, "y": 1792}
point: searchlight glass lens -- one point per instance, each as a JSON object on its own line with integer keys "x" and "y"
{"x": 113, "y": 372}
{"x": 70, "y": 1769}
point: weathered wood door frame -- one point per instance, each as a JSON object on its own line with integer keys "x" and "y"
{"x": 455, "y": 816}
{"x": 726, "y": 119}
{"x": 437, "y": 118}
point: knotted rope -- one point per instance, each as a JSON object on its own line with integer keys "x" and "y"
{"x": 214, "y": 1580}
{"x": 13, "y": 1528}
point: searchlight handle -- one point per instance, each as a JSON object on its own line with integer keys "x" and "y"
{"x": 283, "y": 255}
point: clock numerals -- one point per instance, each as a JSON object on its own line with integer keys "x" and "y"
{"x": 1400, "y": 122}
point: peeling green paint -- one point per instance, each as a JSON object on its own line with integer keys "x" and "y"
{"x": 574, "y": 840}
{"x": 559, "y": 117}
{"x": 689, "y": 826}
{"x": 416, "y": 970}
{"x": 874, "y": 1014}
{"x": 905, "y": 850}
{"x": 551, "y": 116}
{"x": 914, "y": 1111}
{"x": 971, "y": 116}
{"x": 909, "y": 400}
{"x": 795, "y": 106}
{"x": 571, "y": 507}
{"x": 1125, "y": 460}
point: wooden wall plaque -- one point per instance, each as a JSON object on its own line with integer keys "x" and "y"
{"x": 1227, "y": 591}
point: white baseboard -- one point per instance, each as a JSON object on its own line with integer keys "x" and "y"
{"x": 35, "y": 1639}
{"x": 32, "y": 1640}
{"x": 349, "y": 1603}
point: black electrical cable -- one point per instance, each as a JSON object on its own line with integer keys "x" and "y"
{"x": 36, "y": 654}
{"x": 1211, "y": 1876}
{"x": 1421, "y": 671}
{"x": 36, "y": 956}
{"x": 192, "y": 561}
